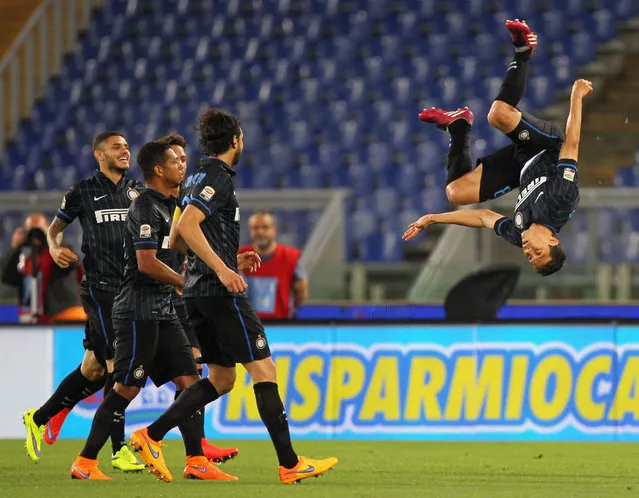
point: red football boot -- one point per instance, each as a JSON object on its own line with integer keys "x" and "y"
{"x": 54, "y": 425}
{"x": 216, "y": 454}
{"x": 523, "y": 37}
{"x": 443, "y": 119}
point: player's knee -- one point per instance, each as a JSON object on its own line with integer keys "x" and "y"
{"x": 503, "y": 116}
{"x": 458, "y": 194}
{"x": 223, "y": 382}
{"x": 92, "y": 370}
{"x": 128, "y": 392}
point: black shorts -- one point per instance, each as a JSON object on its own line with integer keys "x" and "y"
{"x": 227, "y": 329}
{"x": 98, "y": 332}
{"x": 148, "y": 348}
{"x": 501, "y": 170}
{"x": 180, "y": 309}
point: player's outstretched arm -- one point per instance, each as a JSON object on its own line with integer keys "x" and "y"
{"x": 475, "y": 218}
{"x": 63, "y": 256}
{"x": 570, "y": 147}
{"x": 189, "y": 228}
{"x": 150, "y": 265}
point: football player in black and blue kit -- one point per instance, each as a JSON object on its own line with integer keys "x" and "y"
{"x": 541, "y": 162}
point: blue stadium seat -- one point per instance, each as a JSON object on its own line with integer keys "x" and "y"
{"x": 328, "y": 93}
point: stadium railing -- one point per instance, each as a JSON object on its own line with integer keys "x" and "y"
{"x": 323, "y": 254}
{"x": 35, "y": 55}
{"x": 461, "y": 250}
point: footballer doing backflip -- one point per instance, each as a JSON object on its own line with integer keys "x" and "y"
{"x": 542, "y": 162}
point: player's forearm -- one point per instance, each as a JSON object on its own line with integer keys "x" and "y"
{"x": 570, "y": 148}
{"x": 474, "y": 218}
{"x": 55, "y": 232}
{"x": 176, "y": 242}
{"x": 195, "y": 239}
{"x": 157, "y": 270}
{"x": 300, "y": 292}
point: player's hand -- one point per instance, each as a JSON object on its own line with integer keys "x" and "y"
{"x": 417, "y": 226}
{"x": 248, "y": 261}
{"x": 232, "y": 281}
{"x": 63, "y": 256}
{"x": 581, "y": 88}
{"x": 17, "y": 239}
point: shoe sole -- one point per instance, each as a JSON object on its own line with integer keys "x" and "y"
{"x": 224, "y": 458}
{"x": 308, "y": 477}
{"x": 150, "y": 467}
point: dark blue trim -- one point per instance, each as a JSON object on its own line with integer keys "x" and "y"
{"x": 202, "y": 204}
{"x": 150, "y": 242}
{"x": 567, "y": 165}
{"x": 552, "y": 229}
{"x": 104, "y": 332}
{"x": 537, "y": 129}
{"x": 248, "y": 343}
{"x": 504, "y": 220}
{"x": 128, "y": 372}
{"x": 64, "y": 215}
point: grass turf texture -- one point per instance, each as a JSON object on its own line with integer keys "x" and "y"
{"x": 365, "y": 469}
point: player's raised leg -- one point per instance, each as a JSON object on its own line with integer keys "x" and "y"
{"x": 504, "y": 114}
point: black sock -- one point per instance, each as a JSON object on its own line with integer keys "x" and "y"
{"x": 203, "y": 410}
{"x": 459, "y": 160}
{"x": 68, "y": 393}
{"x": 117, "y": 427}
{"x": 103, "y": 420}
{"x": 192, "y": 399}
{"x": 191, "y": 430}
{"x": 514, "y": 85}
{"x": 273, "y": 415}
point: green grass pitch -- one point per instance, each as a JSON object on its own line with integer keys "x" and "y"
{"x": 366, "y": 469}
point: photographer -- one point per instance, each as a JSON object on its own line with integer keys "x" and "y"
{"x": 46, "y": 292}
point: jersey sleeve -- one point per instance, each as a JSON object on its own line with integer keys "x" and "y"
{"x": 507, "y": 230}
{"x": 211, "y": 193}
{"x": 144, "y": 224}
{"x": 71, "y": 205}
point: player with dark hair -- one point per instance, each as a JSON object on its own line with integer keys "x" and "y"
{"x": 212, "y": 452}
{"x": 101, "y": 203}
{"x": 150, "y": 339}
{"x": 542, "y": 162}
{"x": 227, "y": 328}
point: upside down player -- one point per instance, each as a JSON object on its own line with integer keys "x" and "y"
{"x": 150, "y": 339}
{"x": 212, "y": 452}
{"x": 542, "y": 162}
{"x": 228, "y": 329}
{"x": 100, "y": 202}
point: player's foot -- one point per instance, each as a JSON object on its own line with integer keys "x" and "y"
{"x": 198, "y": 467}
{"x": 217, "y": 454}
{"x": 305, "y": 468}
{"x": 443, "y": 119}
{"x": 54, "y": 425}
{"x": 34, "y": 435}
{"x": 523, "y": 37}
{"x": 126, "y": 461}
{"x": 87, "y": 470}
{"x": 151, "y": 453}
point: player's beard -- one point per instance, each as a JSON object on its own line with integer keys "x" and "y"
{"x": 113, "y": 165}
{"x": 263, "y": 243}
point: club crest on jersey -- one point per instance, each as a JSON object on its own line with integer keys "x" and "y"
{"x": 524, "y": 135}
{"x": 519, "y": 220}
{"x": 569, "y": 174}
{"x": 260, "y": 342}
{"x": 132, "y": 194}
{"x": 145, "y": 231}
{"x": 207, "y": 193}
{"x": 138, "y": 373}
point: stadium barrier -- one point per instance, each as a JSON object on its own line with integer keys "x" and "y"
{"x": 568, "y": 382}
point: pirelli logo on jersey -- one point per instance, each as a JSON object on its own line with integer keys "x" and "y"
{"x": 106, "y": 215}
{"x": 529, "y": 189}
